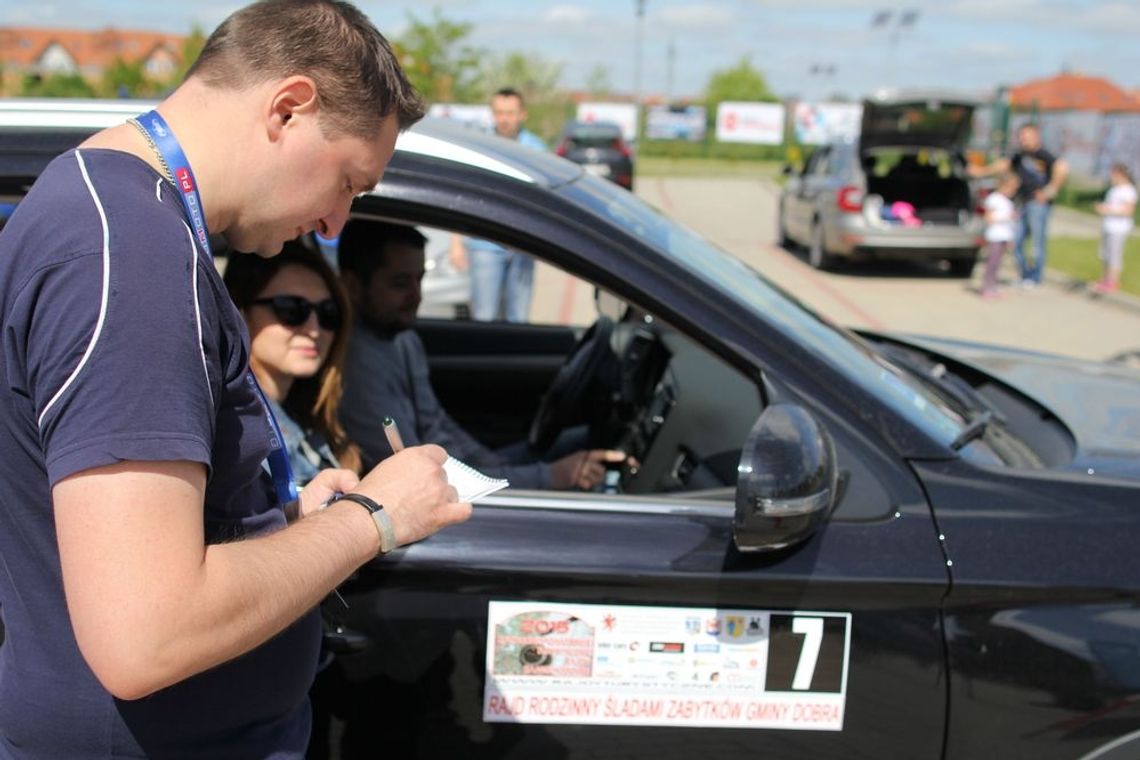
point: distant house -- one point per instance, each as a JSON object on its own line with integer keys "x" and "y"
{"x": 1073, "y": 92}
{"x": 28, "y": 50}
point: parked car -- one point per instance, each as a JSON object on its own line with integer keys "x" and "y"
{"x": 835, "y": 545}
{"x": 600, "y": 148}
{"x": 899, "y": 190}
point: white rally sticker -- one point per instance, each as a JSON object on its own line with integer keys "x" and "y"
{"x": 665, "y": 666}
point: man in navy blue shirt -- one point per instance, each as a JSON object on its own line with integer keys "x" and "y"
{"x": 159, "y": 599}
{"x": 1041, "y": 174}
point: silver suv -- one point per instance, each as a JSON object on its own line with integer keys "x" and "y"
{"x": 898, "y": 191}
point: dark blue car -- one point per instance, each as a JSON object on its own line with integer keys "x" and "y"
{"x": 835, "y": 545}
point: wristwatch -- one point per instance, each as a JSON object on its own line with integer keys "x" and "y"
{"x": 379, "y": 517}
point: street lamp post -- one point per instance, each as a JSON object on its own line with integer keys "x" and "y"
{"x": 639, "y": 7}
{"x": 826, "y": 73}
{"x": 895, "y": 24}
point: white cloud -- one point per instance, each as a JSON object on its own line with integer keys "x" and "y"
{"x": 1096, "y": 16}
{"x": 994, "y": 52}
{"x": 700, "y": 16}
{"x": 574, "y": 15}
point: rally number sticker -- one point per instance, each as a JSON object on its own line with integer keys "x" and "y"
{"x": 648, "y": 666}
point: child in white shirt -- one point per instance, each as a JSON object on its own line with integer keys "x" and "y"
{"x": 1001, "y": 216}
{"x": 1117, "y": 208}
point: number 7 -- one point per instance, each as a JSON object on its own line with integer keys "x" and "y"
{"x": 812, "y": 630}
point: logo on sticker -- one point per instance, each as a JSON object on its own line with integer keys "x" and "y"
{"x": 667, "y": 647}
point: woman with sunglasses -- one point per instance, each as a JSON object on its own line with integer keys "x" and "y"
{"x": 295, "y": 307}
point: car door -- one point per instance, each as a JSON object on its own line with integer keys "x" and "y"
{"x": 655, "y": 623}
{"x": 795, "y": 213}
{"x": 659, "y": 621}
{"x": 846, "y": 630}
{"x": 807, "y": 193}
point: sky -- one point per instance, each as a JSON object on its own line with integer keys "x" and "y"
{"x": 806, "y": 48}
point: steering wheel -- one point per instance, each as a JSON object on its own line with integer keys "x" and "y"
{"x": 566, "y": 393}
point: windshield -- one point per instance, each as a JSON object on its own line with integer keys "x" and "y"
{"x": 838, "y": 347}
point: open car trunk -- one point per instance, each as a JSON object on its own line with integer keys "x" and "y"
{"x": 935, "y": 199}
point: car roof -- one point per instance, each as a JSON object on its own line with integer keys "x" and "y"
{"x": 575, "y": 125}
{"x": 34, "y": 129}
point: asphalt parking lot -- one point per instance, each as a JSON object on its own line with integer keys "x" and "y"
{"x": 740, "y": 216}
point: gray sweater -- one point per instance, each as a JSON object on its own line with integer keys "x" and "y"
{"x": 388, "y": 377}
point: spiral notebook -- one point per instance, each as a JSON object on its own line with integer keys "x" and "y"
{"x": 469, "y": 482}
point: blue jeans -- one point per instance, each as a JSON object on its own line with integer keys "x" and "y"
{"x": 1034, "y": 223}
{"x": 500, "y": 278}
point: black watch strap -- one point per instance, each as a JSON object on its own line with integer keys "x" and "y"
{"x": 379, "y": 517}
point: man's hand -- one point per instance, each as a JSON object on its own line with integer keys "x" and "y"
{"x": 988, "y": 170}
{"x": 321, "y": 488}
{"x": 413, "y": 489}
{"x": 584, "y": 469}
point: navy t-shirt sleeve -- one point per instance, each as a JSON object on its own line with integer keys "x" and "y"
{"x": 115, "y": 361}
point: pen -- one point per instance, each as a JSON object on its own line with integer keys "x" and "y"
{"x": 393, "y": 433}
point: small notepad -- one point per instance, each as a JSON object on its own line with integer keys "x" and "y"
{"x": 469, "y": 482}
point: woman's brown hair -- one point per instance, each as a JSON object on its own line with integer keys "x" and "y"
{"x": 313, "y": 402}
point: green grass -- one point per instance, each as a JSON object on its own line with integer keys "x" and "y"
{"x": 659, "y": 166}
{"x": 1079, "y": 258}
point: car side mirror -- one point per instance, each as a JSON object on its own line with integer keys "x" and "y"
{"x": 788, "y": 170}
{"x": 787, "y": 480}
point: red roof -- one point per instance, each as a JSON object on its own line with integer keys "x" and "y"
{"x": 22, "y": 47}
{"x": 1073, "y": 92}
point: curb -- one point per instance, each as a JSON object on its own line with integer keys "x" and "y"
{"x": 1125, "y": 301}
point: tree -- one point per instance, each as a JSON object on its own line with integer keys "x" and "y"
{"x": 599, "y": 82}
{"x": 125, "y": 80}
{"x": 437, "y": 61}
{"x": 531, "y": 74}
{"x": 56, "y": 86}
{"x": 191, "y": 49}
{"x": 741, "y": 82}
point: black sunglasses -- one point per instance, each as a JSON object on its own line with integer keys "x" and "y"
{"x": 294, "y": 310}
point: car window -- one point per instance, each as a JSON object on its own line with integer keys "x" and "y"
{"x": 592, "y": 138}
{"x": 449, "y": 282}
{"x": 812, "y": 161}
{"x": 841, "y": 348}
{"x": 821, "y": 162}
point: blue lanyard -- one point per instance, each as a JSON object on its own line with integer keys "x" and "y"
{"x": 278, "y": 458}
{"x": 168, "y": 147}
{"x": 184, "y": 181}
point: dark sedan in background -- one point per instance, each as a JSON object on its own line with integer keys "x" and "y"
{"x": 835, "y": 545}
{"x": 600, "y": 148}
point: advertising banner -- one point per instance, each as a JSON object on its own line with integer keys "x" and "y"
{"x": 750, "y": 122}
{"x": 817, "y": 123}
{"x": 675, "y": 123}
{"x": 622, "y": 114}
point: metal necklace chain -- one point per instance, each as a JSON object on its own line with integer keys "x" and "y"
{"x": 150, "y": 141}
